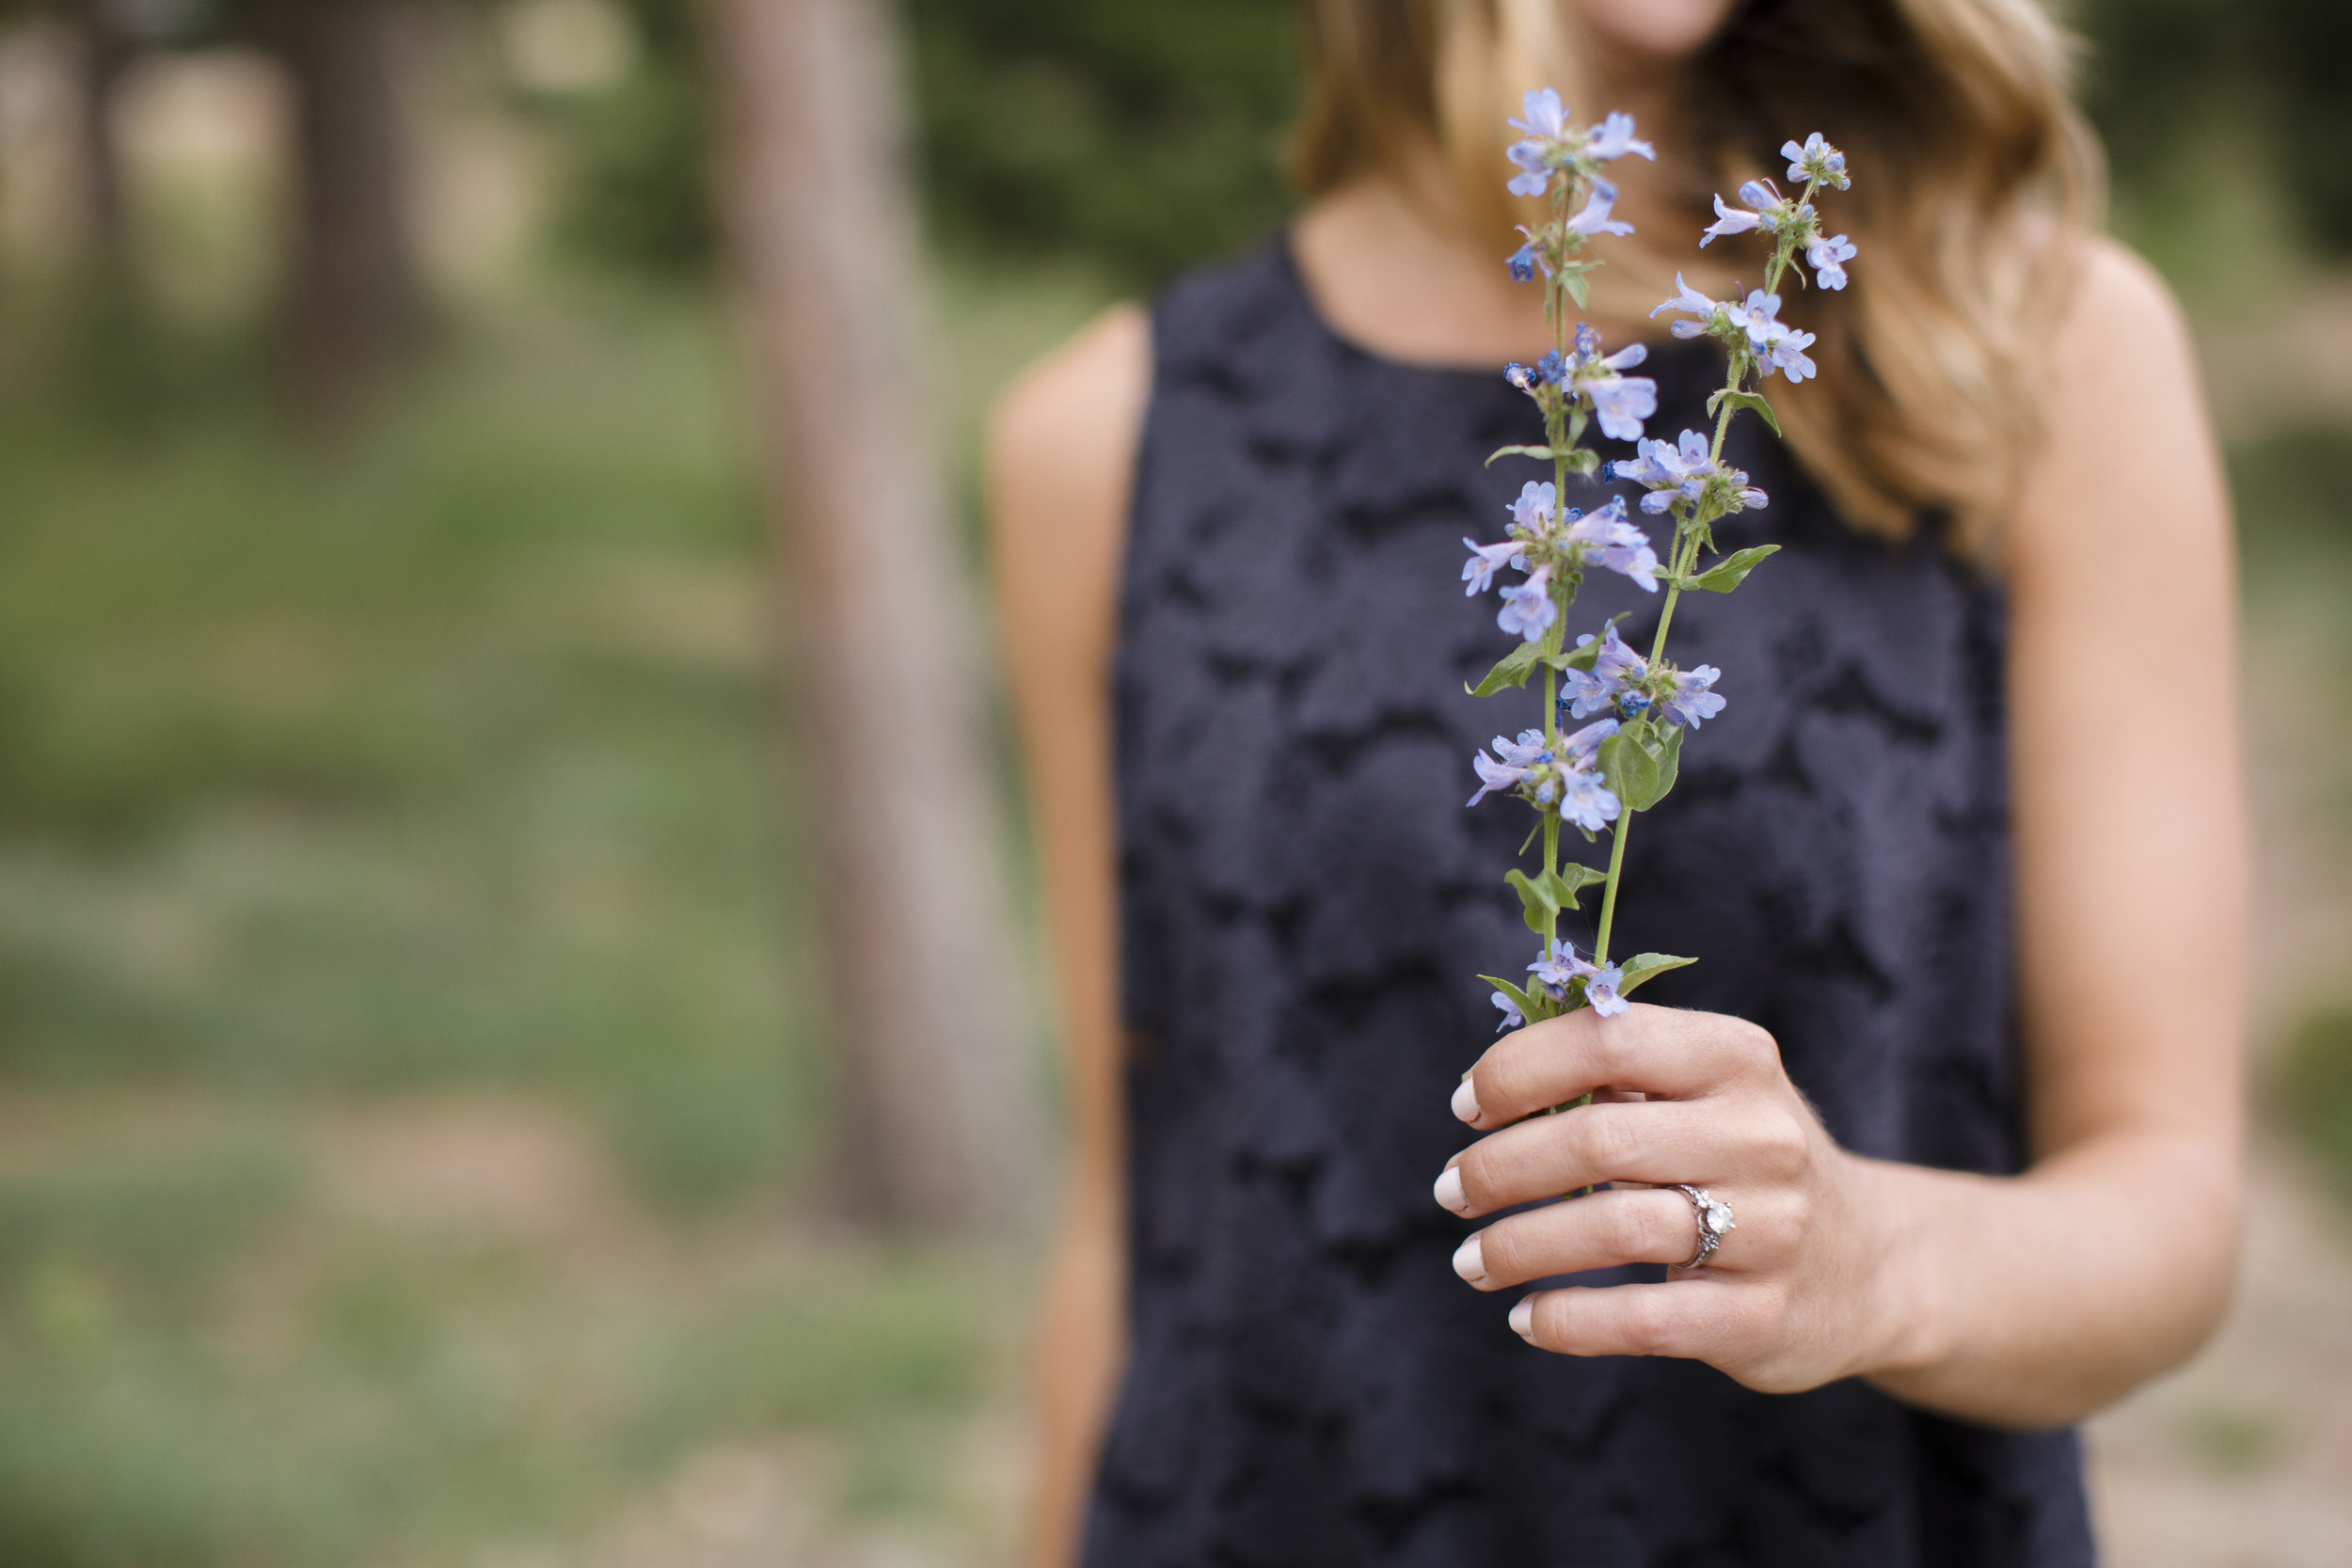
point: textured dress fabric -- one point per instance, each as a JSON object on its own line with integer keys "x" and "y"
{"x": 1306, "y": 904}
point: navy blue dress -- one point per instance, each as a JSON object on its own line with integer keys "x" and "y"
{"x": 1306, "y": 904}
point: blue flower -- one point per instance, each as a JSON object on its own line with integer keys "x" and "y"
{"x": 1692, "y": 302}
{"x": 1523, "y": 261}
{"x": 1693, "y": 700}
{"x": 1595, "y": 218}
{"x": 1587, "y": 801}
{"x": 1551, "y": 370}
{"x": 1547, "y": 129}
{"x": 1613, "y": 138}
{"x": 1622, "y": 401}
{"x": 1519, "y": 761}
{"x": 1788, "y": 356}
{"x": 1511, "y": 1018}
{"x": 1532, "y": 511}
{"x": 1560, "y": 969}
{"x": 1816, "y": 160}
{"x": 1828, "y": 257}
{"x": 1610, "y": 539}
{"x": 1760, "y": 317}
{"x": 1615, "y": 668}
{"x": 1526, "y": 608}
{"x": 1582, "y": 748}
{"x": 1672, "y": 473}
{"x": 1484, "y": 562}
{"x": 1726, "y": 223}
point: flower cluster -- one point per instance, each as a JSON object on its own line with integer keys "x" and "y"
{"x": 1613, "y": 718}
{"x": 1553, "y": 548}
{"x": 1624, "y": 682}
{"x": 1689, "y": 473}
{"x": 1551, "y": 147}
{"x": 1560, "y": 775}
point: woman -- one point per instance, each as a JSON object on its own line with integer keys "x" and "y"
{"x": 1963, "y": 856}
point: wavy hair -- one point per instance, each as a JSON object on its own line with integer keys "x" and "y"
{"x": 1975, "y": 175}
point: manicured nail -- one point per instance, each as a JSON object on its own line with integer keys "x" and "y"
{"x": 1465, "y": 1101}
{"x": 1469, "y": 1260}
{"x": 1449, "y": 1192}
{"x": 1523, "y": 1317}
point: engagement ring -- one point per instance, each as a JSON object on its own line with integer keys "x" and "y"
{"x": 1714, "y": 1221}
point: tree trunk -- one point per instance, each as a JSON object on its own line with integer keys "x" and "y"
{"x": 939, "y": 1125}
{"x": 102, "y": 52}
{"x": 351, "y": 280}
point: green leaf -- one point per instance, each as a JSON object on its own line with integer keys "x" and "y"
{"x": 1582, "y": 460}
{"x": 1729, "y": 573}
{"x": 1514, "y": 668}
{"x": 1574, "y": 278}
{"x": 1639, "y": 763}
{"x": 1530, "y": 1007}
{"x": 1747, "y": 400}
{"x": 1543, "y": 895}
{"x": 1644, "y": 966}
{"x": 1543, "y": 452}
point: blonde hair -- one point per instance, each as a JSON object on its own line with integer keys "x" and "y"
{"x": 1973, "y": 177}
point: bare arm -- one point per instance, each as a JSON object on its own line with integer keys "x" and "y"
{"x": 2031, "y": 1300}
{"x": 1061, "y": 459}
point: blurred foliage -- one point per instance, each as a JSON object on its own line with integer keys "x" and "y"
{"x": 448, "y": 758}
{"x": 2315, "y": 1092}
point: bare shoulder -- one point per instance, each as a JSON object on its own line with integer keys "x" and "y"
{"x": 1061, "y": 440}
{"x": 2127, "y": 456}
{"x": 2121, "y": 307}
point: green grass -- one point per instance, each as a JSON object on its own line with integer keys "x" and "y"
{"x": 446, "y": 762}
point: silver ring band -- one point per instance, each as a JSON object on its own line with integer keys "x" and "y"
{"x": 1714, "y": 1222}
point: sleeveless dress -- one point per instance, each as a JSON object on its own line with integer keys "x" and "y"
{"x": 1306, "y": 904}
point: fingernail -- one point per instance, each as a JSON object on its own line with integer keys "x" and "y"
{"x": 1449, "y": 1192}
{"x": 1469, "y": 1260}
{"x": 1522, "y": 1316}
{"x": 1465, "y": 1101}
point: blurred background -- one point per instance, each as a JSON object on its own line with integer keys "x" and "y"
{"x": 415, "y": 1066}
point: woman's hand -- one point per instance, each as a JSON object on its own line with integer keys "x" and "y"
{"x": 1792, "y": 1298}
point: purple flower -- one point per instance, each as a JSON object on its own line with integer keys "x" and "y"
{"x": 1526, "y": 608}
{"x": 1828, "y": 257}
{"x": 1547, "y": 128}
{"x": 1523, "y": 261}
{"x": 1582, "y": 748}
{"x": 1692, "y": 698}
{"x": 1787, "y": 355}
{"x": 1484, "y": 562}
{"x": 1551, "y": 370}
{"x": 1595, "y": 218}
{"x": 1511, "y": 1018}
{"x": 1726, "y": 223}
{"x": 1622, "y": 401}
{"x": 1560, "y": 968}
{"x": 1532, "y": 511}
{"x": 1586, "y": 800}
{"x": 1519, "y": 761}
{"x": 1816, "y": 160}
{"x": 1520, "y": 376}
{"x": 1760, "y": 317}
{"x": 1612, "y": 541}
{"x": 1690, "y": 300}
{"x": 1615, "y": 668}
{"x": 1613, "y": 138}
{"x": 1679, "y": 471}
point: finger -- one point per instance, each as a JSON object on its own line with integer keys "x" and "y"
{"x": 1660, "y": 1141}
{"x": 1700, "y": 1318}
{"x": 1643, "y": 1224}
{"x": 1660, "y": 1050}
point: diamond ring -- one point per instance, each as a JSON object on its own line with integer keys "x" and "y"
{"x": 1714, "y": 1221}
